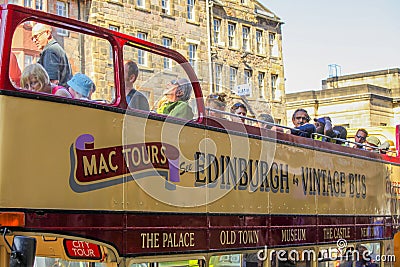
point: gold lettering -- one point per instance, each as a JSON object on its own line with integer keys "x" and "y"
{"x": 90, "y": 168}
{"x": 154, "y": 154}
{"x": 112, "y": 167}
{"x": 162, "y": 152}
{"x": 136, "y": 150}
{"x": 103, "y": 164}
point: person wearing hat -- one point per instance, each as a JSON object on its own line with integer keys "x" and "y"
{"x": 80, "y": 86}
{"x": 324, "y": 127}
{"x": 176, "y": 98}
{"x": 373, "y": 143}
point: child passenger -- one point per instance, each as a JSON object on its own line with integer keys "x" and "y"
{"x": 35, "y": 78}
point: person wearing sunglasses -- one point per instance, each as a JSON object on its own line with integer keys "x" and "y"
{"x": 175, "y": 100}
{"x": 360, "y": 138}
{"x": 53, "y": 57}
{"x": 215, "y": 103}
{"x": 302, "y": 127}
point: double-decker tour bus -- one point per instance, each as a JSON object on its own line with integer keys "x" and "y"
{"x": 96, "y": 182}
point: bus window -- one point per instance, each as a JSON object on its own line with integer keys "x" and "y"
{"x": 67, "y": 59}
{"x": 236, "y": 260}
{"x": 177, "y": 263}
{"x": 362, "y": 255}
{"x": 56, "y": 262}
{"x": 161, "y": 81}
{"x": 292, "y": 258}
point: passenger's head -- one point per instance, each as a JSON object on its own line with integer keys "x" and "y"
{"x": 342, "y": 133}
{"x": 216, "y": 101}
{"x": 131, "y": 72}
{"x": 372, "y": 142}
{"x": 239, "y": 109}
{"x": 320, "y": 124}
{"x": 267, "y": 118}
{"x": 41, "y": 35}
{"x": 35, "y": 78}
{"x": 361, "y": 136}
{"x": 80, "y": 86}
{"x": 178, "y": 90}
{"x": 300, "y": 117}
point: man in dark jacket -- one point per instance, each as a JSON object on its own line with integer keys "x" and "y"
{"x": 53, "y": 57}
{"x": 134, "y": 98}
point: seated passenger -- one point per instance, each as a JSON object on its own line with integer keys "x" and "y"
{"x": 360, "y": 137}
{"x": 270, "y": 119}
{"x": 216, "y": 102}
{"x": 239, "y": 109}
{"x": 373, "y": 143}
{"x": 342, "y": 134}
{"x": 80, "y": 86}
{"x": 35, "y": 78}
{"x": 324, "y": 127}
{"x": 300, "y": 121}
{"x": 176, "y": 96}
{"x": 134, "y": 98}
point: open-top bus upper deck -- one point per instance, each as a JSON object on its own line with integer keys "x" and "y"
{"x": 141, "y": 183}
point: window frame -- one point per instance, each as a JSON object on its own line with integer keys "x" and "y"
{"x": 60, "y": 31}
{"x": 218, "y": 78}
{"x": 261, "y": 85}
{"x": 217, "y": 30}
{"x": 246, "y": 38}
{"x": 233, "y": 71}
{"x": 192, "y": 55}
{"x": 142, "y": 59}
{"x": 259, "y": 42}
{"x": 190, "y": 9}
{"x": 231, "y": 35}
{"x": 167, "y": 62}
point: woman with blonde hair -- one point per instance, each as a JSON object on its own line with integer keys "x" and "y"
{"x": 35, "y": 78}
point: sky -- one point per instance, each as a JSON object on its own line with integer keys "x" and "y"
{"x": 357, "y": 35}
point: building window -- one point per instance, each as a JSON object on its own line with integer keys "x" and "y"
{"x": 166, "y": 42}
{"x": 165, "y": 7}
{"x": 245, "y": 36}
{"x": 259, "y": 42}
{"x": 217, "y": 31}
{"x": 113, "y": 28}
{"x": 272, "y": 44}
{"x": 274, "y": 87}
{"x": 247, "y": 77}
{"x": 142, "y": 55}
{"x": 218, "y": 78}
{"x": 28, "y": 60}
{"x": 193, "y": 55}
{"x": 190, "y": 9}
{"x": 141, "y": 3}
{"x": 39, "y": 4}
{"x": 62, "y": 10}
{"x": 28, "y": 3}
{"x": 243, "y": 1}
{"x": 232, "y": 78}
{"x": 261, "y": 85}
{"x": 232, "y": 35}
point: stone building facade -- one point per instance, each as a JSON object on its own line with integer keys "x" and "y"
{"x": 365, "y": 100}
{"x": 246, "y": 48}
